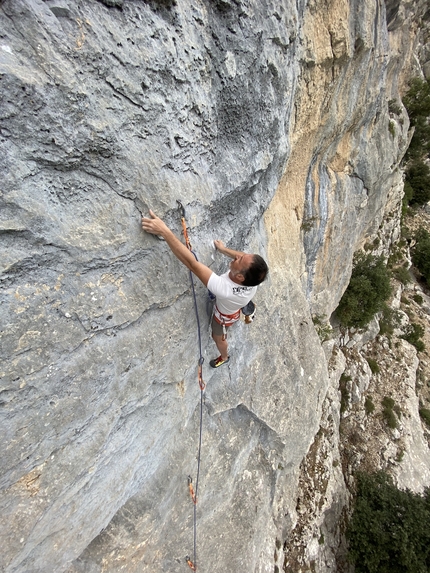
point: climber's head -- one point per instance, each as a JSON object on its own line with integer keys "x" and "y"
{"x": 249, "y": 270}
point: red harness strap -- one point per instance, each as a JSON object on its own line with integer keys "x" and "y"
{"x": 226, "y": 319}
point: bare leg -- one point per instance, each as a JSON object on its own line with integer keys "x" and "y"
{"x": 222, "y": 345}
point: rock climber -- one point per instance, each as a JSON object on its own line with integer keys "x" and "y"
{"x": 233, "y": 290}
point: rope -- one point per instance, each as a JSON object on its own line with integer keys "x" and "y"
{"x": 194, "y": 491}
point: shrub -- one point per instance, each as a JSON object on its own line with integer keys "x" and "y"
{"x": 421, "y": 253}
{"x": 390, "y": 418}
{"x": 344, "y": 392}
{"x": 425, "y": 415}
{"x": 366, "y": 293}
{"x": 417, "y": 103}
{"x": 413, "y": 334}
{"x": 417, "y": 99}
{"x": 388, "y": 412}
{"x": 374, "y": 366}
{"x": 369, "y": 406}
{"x": 418, "y": 298}
{"x": 402, "y": 275}
{"x": 388, "y": 531}
{"x": 394, "y": 107}
{"x": 417, "y": 175}
{"x": 388, "y": 402}
{"x": 324, "y": 330}
{"x": 389, "y": 321}
{"x": 408, "y": 193}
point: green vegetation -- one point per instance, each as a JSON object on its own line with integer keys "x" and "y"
{"x": 421, "y": 253}
{"x": 394, "y": 107}
{"x": 367, "y": 291}
{"x": 417, "y": 103}
{"x": 418, "y": 298}
{"x": 374, "y": 366}
{"x": 344, "y": 392}
{"x": 388, "y": 531}
{"x": 425, "y": 415}
{"x": 369, "y": 406}
{"x": 388, "y": 412}
{"x": 322, "y": 327}
{"x": 389, "y": 321}
{"x": 413, "y": 334}
{"x": 417, "y": 176}
{"x": 402, "y": 275}
{"x": 417, "y": 182}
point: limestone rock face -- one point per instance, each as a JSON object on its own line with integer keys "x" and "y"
{"x": 268, "y": 120}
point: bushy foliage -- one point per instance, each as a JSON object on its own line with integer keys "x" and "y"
{"x": 374, "y": 366}
{"x": 402, "y": 275}
{"x": 369, "y": 406}
{"x": 389, "y": 531}
{"x": 417, "y": 99}
{"x": 417, "y": 103}
{"x": 425, "y": 415}
{"x": 413, "y": 334}
{"x": 418, "y": 298}
{"x": 389, "y": 321}
{"x": 421, "y": 253}
{"x": 367, "y": 291}
{"x": 388, "y": 412}
{"x": 418, "y": 179}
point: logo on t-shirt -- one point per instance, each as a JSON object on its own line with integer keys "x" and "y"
{"x": 239, "y": 290}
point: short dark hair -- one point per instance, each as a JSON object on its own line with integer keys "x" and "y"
{"x": 256, "y": 272}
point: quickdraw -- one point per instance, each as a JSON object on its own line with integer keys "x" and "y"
{"x": 190, "y": 563}
{"x": 202, "y": 384}
{"x": 184, "y": 226}
{"x": 191, "y": 488}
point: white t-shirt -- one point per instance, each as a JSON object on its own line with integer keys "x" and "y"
{"x": 230, "y": 296}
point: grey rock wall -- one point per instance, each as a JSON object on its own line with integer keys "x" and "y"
{"x": 267, "y": 119}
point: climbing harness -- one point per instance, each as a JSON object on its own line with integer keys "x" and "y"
{"x": 225, "y": 320}
{"x": 193, "y": 490}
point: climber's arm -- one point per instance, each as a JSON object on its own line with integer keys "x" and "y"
{"x": 226, "y": 251}
{"x": 156, "y": 226}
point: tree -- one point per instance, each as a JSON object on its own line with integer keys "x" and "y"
{"x": 421, "y": 253}
{"x": 417, "y": 103}
{"x": 417, "y": 99}
{"x": 389, "y": 529}
{"x": 366, "y": 293}
{"x": 418, "y": 177}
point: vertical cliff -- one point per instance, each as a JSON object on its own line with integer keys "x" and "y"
{"x": 269, "y": 121}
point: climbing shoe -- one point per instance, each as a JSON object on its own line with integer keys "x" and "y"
{"x": 217, "y": 362}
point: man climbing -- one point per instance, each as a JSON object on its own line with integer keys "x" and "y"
{"x": 233, "y": 290}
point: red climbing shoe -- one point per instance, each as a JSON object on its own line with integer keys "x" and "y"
{"x": 217, "y": 362}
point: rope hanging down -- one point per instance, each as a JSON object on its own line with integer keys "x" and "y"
{"x": 193, "y": 491}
